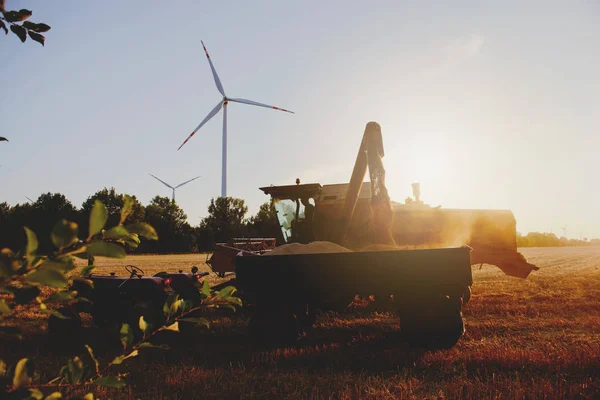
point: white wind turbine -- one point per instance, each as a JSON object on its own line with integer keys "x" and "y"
{"x": 173, "y": 188}
{"x": 223, "y": 104}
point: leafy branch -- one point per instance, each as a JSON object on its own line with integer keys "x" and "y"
{"x": 22, "y": 275}
{"x": 18, "y": 24}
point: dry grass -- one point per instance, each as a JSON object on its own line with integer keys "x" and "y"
{"x": 536, "y": 339}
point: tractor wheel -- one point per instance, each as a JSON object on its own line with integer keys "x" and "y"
{"x": 436, "y": 324}
{"x": 306, "y": 316}
{"x": 275, "y": 325}
{"x": 466, "y": 295}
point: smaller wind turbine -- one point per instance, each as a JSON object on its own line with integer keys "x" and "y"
{"x": 564, "y": 229}
{"x": 173, "y": 188}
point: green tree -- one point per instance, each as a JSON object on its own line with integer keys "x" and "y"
{"x": 226, "y": 218}
{"x": 170, "y": 222}
{"x": 114, "y": 202}
{"x": 264, "y": 223}
{"x": 17, "y": 22}
{"x": 47, "y": 210}
{"x": 205, "y": 239}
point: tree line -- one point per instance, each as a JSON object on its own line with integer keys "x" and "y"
{"x": 227, "y": 218}
{"x": 544, "y": 239}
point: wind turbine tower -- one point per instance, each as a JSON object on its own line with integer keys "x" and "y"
{"x": 173, "y": 187}
{"x": 564, "y": 229}
{"x": 223, "y": 104}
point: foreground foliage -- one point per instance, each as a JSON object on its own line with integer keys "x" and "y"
{"x": 24, "y": 275}
{"x": 19, "y": 24}
{"x": 526, "y": 339}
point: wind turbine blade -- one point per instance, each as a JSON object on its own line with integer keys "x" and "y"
{"x": 255, "y": 103}
{"x": 3, "y": 139}
{"x": 209, "y": 116}
{"x": 214, "y": 72}
{"x": 163, "y": 182}
{"x": 181, "y": 184}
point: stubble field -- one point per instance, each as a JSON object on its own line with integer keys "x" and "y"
{"x": 537, "y": 339}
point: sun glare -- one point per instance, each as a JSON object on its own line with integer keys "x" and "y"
{"x": 428, "y": 163}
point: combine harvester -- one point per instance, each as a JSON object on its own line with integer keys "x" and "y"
{"x": 350, "y": 239}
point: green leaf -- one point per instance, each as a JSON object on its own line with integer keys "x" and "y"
{"x": 227, "y": 306}
{"x": 85, "y": 271}
{"x": 23, "y": 373}
{"x": 106, "y": 249}
{"x": 186, "y": 305}
{"x": 234, "y": 300}
{"x": 145, "y": 327}
{"x": 19, "y": 31}
{"x": 127, "y": 208}
{"x": 54, "y": 396}
{"x": 83, "y": 254}
{"x": 64, "y": 265}
{"x": 226, "y": 292}
{"x": 49, "y": 277}
{"x": 98, "y": 218}
{"x": 147, "y": 345}
{"x": 64, "y": 233}
{"x": 44, "y": 308}
{"x": 60, "y": 296}
{"x": 132, "y": 240}
{"x": 4, "y": 307}
{"x": 17, "y": 16}
{"x": 110, "y": 381}
{"x": 73, "y": 371}
{"x": 91, "y": 353}
{"x": 35, "y": 394}
{"x": 173, "y": 297}
{"x": 205, "y": 290}
{"x": 32, "y": 242}
{"x": 89, "y": 396}
{"x": 175, "y": 306}
{"x": 196, "y": 321}
{"x": 143, "y": 229}
{"x": 3, "y": 27}
{"x": 123, "y": 357}
{"x": 37, "y": 37}
{"x": 36, "y": 27}
{"x": 126, "y": 335}
{"x": 173, "y": 327}
{"x": 116, "y": 232}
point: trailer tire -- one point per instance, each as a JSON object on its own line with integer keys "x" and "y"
{"x": 438, "y": 324}
{"x": 466, "y": 295}
{"x": 275, "y": 325}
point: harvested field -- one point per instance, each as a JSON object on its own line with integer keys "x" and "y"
{"x": 537, "y": 339}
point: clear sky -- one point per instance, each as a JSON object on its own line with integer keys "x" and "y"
{"x": 489, "y": 104}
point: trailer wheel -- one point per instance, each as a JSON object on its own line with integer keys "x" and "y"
{"x": 436, "y": 323}
{"x": 466, "y": 295}
{"x": 275, "y": 325}
{"x": 306, "y": 314}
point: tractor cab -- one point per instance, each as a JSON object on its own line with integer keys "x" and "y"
{"x": 308, "y": 212}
